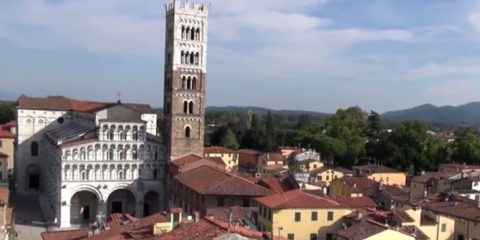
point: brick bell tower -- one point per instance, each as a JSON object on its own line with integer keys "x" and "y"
{"x": 184, "y": 79}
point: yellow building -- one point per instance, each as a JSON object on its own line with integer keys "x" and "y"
{"x": 387, "y": 176}
{"x": 7, "y": 148}
{"x": 369, "y": 230}
{"x": 432, "y": 225}
{"x": 229, "y": 157}
{"x": 309, "y": 165}
{"x": 327, "y": 174}
{"x": 464, "y": 212}
{"x": 299, "y": 215}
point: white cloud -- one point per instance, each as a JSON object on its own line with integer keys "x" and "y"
{"x": 435, "y": 70}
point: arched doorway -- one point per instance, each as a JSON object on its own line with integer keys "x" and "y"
{"x": 121, "y": 201}
{"x": 83, "y": 207}
{"x": 33, "y": 177}
{"x": 150, "y": 203}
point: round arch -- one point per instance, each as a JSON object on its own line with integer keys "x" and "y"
{"x": 83, "y": 207}
{"x": 121, "y": 200}
{"x": 151, "y": 203}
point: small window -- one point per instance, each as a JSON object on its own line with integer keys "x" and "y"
{"x": 444, "y": 227}
{"x": 246, "y": 202}
{"x": 330, "y": 216}
{"x": 60, "y": 120}
{"x": 291, "y": 236}
{"x": 314, "y": 216}
{"x": 1, "y": 144}
{"x": 298, "y": 217}
{"x": 220, "y": 202}
{"x": 188, "y": 132}
{"x": 34, "y": 149}
{"x": 329, "y": 236}
{"x": 313, "y": 236}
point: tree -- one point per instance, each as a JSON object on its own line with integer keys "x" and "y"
{"x": 304, "y": 121}
{"x": 467, "y": 146}
{"x": 229, "y": 140}
{"x": 372, "y": 131}
{"x": 348, "y": 126}
{"x": 6, "y": 112}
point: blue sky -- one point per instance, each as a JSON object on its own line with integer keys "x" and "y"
{"x": 283, "y": 54}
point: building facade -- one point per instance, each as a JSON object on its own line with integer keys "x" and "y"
{"x": 89, "y": 158}
{"x": 185, "y": 75}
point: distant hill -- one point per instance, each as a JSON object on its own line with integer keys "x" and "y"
{"x": 264, "y": 111}
{"x": 464, "y": 114}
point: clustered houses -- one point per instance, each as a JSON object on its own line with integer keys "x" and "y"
{"x": 7, "y": 149}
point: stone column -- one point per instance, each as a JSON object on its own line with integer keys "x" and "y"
{"x": 65, "y": 215}
{"x": 139, "y": 208}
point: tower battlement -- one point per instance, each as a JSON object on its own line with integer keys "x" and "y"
{"x": 186, "y": 5}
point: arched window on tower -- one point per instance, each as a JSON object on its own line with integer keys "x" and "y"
{"x": 34, "y": 148}
{"x": 183, "y": 32}
{"x": 197, "y": 34}
{"x": 184, "y": 82}
{"x": 192, "y": 58}
{"x": 188, "y": 131}
{"x": 194, "y": 83}
{"x": 192, "y": 34}
{"x": 182, "y": 57}
{"x": 190, "y": 108}
{"x": 197, "y": 58}
{"x": 187, "y": 33}
{"x": 185, "y": 107}
{"x": 189, "y": 83}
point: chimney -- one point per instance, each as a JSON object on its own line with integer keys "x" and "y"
{"x": 196, "y": 216}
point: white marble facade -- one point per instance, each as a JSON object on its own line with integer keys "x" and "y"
{"x": 89, "y": 163}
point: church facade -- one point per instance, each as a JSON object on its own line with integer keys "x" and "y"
{"x": 87, "y": 160}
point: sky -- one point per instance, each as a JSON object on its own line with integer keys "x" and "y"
{"x": 316, "y": 55}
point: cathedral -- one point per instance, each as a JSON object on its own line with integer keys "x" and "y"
{"x": 88, "y": 159}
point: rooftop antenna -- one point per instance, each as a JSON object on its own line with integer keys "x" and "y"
{"x": 119, "y": 97}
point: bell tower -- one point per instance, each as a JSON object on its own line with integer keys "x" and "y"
{"x": 184, "y": 79}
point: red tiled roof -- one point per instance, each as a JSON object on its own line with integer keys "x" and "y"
{"x": 182, "y": 161}
{"x": 372, "y": 168}
{"x": 217, "y": 149}
{"x": 236, "y": 214}
{"x": 210, "y": 180}
{"x": 4, "y": 195}
{"x": 355, "y": 202}
{"x": 141, "y": 228}
{"x": 279, "y": 185}
{"x": 67, "y": 104}
{"x": 209, "y": 228}
{"x": 357, "y": 184}
{"x": 66, "y": 235}
{"x": 6, "y": 134}
{"x": 271, "y": 157}
{"x": 297, "y": 199}
{"x": 216, "y": 160}
{"x": 361, "y": 230}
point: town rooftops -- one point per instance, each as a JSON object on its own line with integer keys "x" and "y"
{"x": 395, "y": 192}
{"x": 217, "y": 149}
{"x": 357, "y": 184}
{"x": 297, "y": 199}
{"x": 355, "y": 202}
{"x": 66, "y": 234}
{"x": 429, "y": 176}
{"x": 213, "y": 181}
{"x": 361, "y": 230}
{"x": 374, "y": 168}
{"x": 209, "y": 228}
{"x": 453, "y": 205}
{"x": 60, "y": 103}
{"x": 192, "y": 161}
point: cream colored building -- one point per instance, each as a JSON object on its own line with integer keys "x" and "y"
{"x": 228, "y": 156}
{"x": 385, "y": 175}
{"x": 299, "y": 215}
{"x": 7, "y": 148}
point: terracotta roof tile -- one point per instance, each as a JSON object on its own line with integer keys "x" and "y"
{"x": 6, "y": 134}
{"x": 357, "y": 184}
{"x": 209, "y": 180}
{"x": 297, "y": 199}
{"x": 61, "y": 103}
{"x": 218, "y": 149}
{"x": 355, "y": 202}
{"x": 182, "y": 161}
{"x": 361, "y": 230}
{"x": 66, "y": 235}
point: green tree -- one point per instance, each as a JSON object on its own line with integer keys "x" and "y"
{"x": 6, "y": 112}
{"x": 229, "y": 139}
{"x": 304, "y": 121}
{"x": 467, "y": 146}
